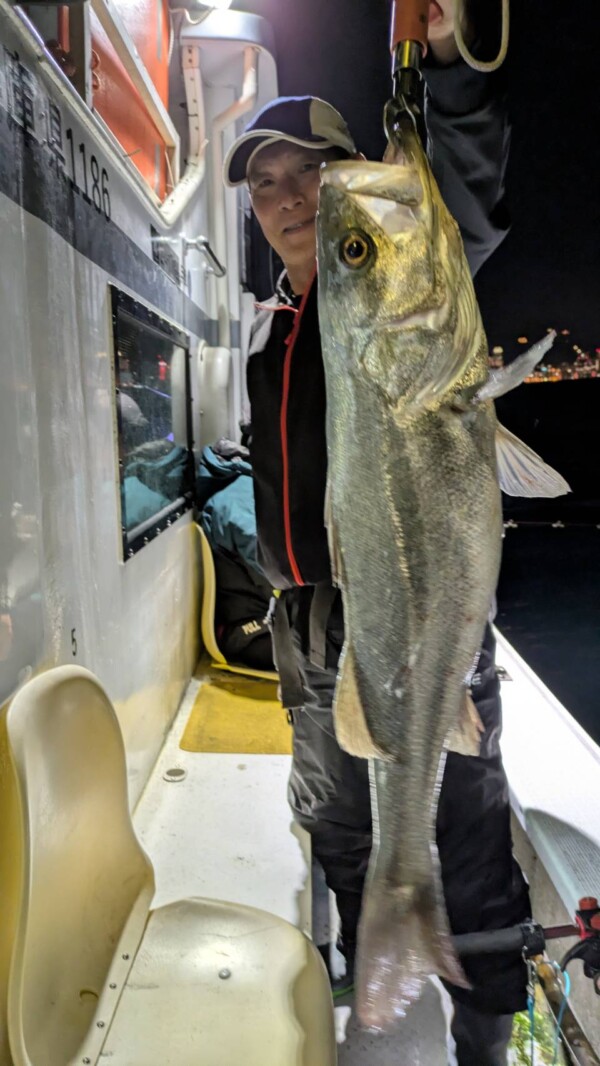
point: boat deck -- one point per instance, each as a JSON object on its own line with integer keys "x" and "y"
{"x": 223, "y": 829}
{"x": 215, "y": 821}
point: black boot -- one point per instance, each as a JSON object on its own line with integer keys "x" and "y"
{"x": 479, "y": 1039}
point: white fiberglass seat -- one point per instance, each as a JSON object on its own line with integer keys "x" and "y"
{"x": 88, "y": 972}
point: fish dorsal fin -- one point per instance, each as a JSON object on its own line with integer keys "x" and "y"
{"x": 521, "y": 472}
{"x": 351, "y": 726}
{"x": 465, "y": 736}
{"x": 509, "y": 377}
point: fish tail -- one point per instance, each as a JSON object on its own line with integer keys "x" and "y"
{"x": 404, "y": 937}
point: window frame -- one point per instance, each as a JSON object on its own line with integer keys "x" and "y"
{"x": 124, "y": 305}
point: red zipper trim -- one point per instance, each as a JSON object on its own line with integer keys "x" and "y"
{"x": 287, "y": 367}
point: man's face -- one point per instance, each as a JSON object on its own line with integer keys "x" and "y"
{"x": 284, "y": 189}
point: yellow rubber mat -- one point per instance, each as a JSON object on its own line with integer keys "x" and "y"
{"x": 238, "y": 715}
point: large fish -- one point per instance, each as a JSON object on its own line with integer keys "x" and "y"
{"x": 415, "y": 526}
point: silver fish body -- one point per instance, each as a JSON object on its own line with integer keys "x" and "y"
{"x": 414, "y": 521}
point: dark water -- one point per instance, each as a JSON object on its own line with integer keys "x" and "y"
{"x": 549, "y": 594}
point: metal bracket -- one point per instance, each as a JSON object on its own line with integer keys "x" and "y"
{"x": 202, "y": 244}
{"x": 502, "y": 673}
{"x": 198, "y": 244}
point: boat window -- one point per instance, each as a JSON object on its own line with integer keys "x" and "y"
{"x": 153, "y": 418}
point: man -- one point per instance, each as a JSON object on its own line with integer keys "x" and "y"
{"x": 279, "y": 155}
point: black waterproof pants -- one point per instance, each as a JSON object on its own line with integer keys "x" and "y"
{"x": 329, "y": 795}
{"x": 479, "y": 1038}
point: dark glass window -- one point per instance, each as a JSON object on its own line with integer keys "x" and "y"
{"x": 152, "y": 395}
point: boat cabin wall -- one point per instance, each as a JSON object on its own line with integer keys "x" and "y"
{"x": 110, "y": 318}
{"x": 76, "y": 237}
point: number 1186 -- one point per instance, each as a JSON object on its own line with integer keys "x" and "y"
{"x": 94, "y": 187}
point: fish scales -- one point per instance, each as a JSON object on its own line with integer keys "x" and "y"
{"x": 414, "y": 521}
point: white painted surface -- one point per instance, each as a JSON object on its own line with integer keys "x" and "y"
{"x": 135, "y": 625}
{"x": 62, "y": 581}
{"x": 225, "y": 831}
{"x": 21, "y": 559}
{"x": 553, "y": 768}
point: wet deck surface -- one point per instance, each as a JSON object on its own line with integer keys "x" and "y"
{"x": 418, "y": 1041}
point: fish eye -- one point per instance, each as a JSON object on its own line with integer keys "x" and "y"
{"x": 356, "y": 249}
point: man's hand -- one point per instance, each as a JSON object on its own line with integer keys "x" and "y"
{"x": 442, "y": 41}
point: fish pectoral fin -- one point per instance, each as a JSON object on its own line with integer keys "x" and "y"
{"x": 351, "y": 727}
{"x": 521, "y": 472}
{"x": 335, "y": 556}
{"x": 465, "y": 736}
{"x": 509, "y": 377}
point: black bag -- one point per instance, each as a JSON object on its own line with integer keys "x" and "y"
{"x": 242, "y": 603}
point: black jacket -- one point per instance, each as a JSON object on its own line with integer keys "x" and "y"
{"x": 468, "y": 146}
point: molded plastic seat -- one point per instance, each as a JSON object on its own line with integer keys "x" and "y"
{"x": 95, "y": 975}
{"x": 209, "y": 596}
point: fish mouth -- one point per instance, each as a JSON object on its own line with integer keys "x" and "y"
{"x": 298, "y": 227}
{"x": 389, "y": 196}
{"x": 398, "y": 183}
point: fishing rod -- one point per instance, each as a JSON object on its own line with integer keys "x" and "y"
{"x": 408, "y": 45}
{"x": 530, "y": 939}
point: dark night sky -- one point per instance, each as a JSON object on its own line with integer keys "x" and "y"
{"x": 547, "y": 273}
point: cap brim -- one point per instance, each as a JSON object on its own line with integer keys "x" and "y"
{"x": 243, "y": 150}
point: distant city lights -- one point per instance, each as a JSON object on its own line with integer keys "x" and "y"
{"x": 564, "y": 367}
